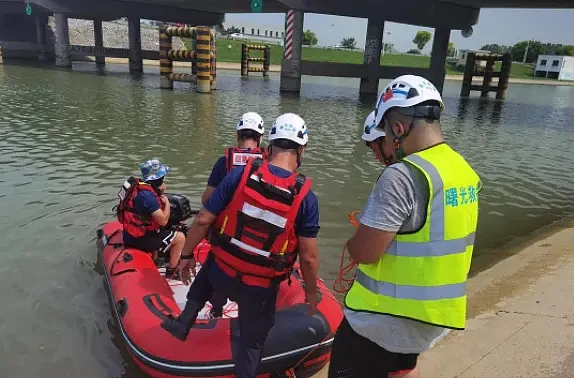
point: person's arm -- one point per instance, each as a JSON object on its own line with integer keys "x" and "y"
{"x": 146, "y": 203}
{"x": 389, "y": 206}
{"x": 162, "y": 215}
{"x": 217, "y": 174}
{"x": 368, "y": 244}
{"x": 207, "y": 193}
{"x": 220, "y": 198}
{"x": 307, "y": 229}
{"x": 197, "y": 231}
{"x": 309, "y": 260}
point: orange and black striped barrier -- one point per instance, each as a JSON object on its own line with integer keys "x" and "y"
{"x": 246, "y": 59}
{"x": 203, "y": 57}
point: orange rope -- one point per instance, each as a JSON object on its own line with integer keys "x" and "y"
{"x": 342, "y": 283}
{"x": 352, "y": 219}
{"x": 291, "y": 371}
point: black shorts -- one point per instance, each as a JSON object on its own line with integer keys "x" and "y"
{"x": 153, "y": 241}
{"x": 354, "y": 356}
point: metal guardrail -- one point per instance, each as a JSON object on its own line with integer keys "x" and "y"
{"x": 77, "y": 51}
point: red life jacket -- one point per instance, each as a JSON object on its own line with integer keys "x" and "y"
{"x": 134, "y": 223}
{"x": 235, "y": 156}
{"x": 255, "y": 233}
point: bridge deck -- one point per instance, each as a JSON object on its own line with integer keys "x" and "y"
{"x": 451, "y": 14}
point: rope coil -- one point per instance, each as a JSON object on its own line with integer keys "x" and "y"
{"x": 343, "y": 283}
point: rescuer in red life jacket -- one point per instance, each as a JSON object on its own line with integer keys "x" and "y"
{"x": 264, "y": 215}
{"x": 250, "y": 131}
{"x": 144, "y": 211}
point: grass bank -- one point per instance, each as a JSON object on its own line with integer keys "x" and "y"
{"x": 230, "y": 51}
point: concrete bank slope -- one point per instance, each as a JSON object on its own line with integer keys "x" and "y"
{"x": 521, "y": 319}
{"x": 277, "y": 68}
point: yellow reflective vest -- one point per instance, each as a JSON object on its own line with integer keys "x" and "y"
{"x": 422, "y": 275}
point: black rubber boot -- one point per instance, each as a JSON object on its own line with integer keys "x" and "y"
{"x": 216, "y": 312}
{"x": 179, "y": 327}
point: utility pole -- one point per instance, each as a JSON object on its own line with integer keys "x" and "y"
{"x": 384, "y": 45}
{"x": 525, "y": 52}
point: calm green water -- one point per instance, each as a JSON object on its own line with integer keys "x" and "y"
{"x": 68, "y": 139}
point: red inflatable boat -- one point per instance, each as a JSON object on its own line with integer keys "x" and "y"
{"x": 142, "y": 298}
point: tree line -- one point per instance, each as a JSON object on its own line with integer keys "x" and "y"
{"x": 310, "y": 39}
{"x": 535, "y": 48}
{"x": 532, "y": 48}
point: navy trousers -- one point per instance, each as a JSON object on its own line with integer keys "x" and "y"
{"x": 256, "y": 312}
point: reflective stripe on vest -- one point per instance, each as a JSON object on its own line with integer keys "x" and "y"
{"x": 257, "y": 238}
{"x": 422, "y": 275}
{"x": 266, "y": 215}
{"x": 437, "y": 245}
{"x": 410, "y": 291}
{"x": 249, "y": 248}
{"x": 433, "y": 248}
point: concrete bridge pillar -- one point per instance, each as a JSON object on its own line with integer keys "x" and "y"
{"x": 99, "y": 42}
{"x": 134, "y": 33}
{"x": 438, "y": 57}
{"x": 41, "y": 27}
{"x": 20, "y": 36}
{"x": 62, "y": 48}
{"x": 291, "y": 63}
{"x": 372, "y": 57}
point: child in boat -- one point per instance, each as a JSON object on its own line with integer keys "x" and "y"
{"x": 144, "y": 212}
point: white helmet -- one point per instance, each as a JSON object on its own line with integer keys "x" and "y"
{"x": 406, "y": 91}
{"x": 289, "y": 126}
{"x": 251, "y": 121}
{"x": 370, "y": 132}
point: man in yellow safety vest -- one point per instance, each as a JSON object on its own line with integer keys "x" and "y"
{"x": 414, "y": 244}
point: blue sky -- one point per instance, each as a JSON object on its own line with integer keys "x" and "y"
{"x": 502, "y": 26}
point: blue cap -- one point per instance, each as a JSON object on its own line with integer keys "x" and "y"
{"x": 153, "y": 170}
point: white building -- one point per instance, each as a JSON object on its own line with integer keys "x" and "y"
{"x": 461, "y": 55}
{"x": 555, "y": 67}
{"x": 258, "y": 32}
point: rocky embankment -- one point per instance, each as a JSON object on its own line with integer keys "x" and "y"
{"x": 115, "y": 34}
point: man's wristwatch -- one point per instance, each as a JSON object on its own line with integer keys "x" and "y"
{"x": 186, "y": 257}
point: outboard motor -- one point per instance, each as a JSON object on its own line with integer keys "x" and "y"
{"x": 180, "y": 209}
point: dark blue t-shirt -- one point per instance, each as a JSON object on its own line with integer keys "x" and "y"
{"x": 307, "y": 221}
{"x": 218, "y": 172}
{"x": 145, "y": 203}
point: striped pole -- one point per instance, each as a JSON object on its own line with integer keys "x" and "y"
{"x": 165, "y": 63}
{"x": 289, "y": 27}
{"x": 203, "y": 37}
{"x": 213, "y": 62}
{"x": 244, "y": 59}
{"x": 266, "y": 60}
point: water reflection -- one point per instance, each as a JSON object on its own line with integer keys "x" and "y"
{"x": 69, "y": 139}
{"x": 482, "y": 110}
